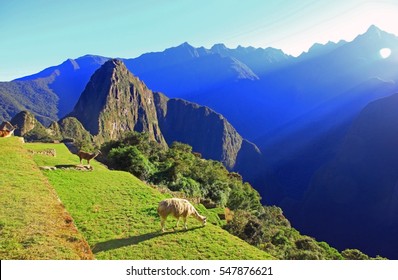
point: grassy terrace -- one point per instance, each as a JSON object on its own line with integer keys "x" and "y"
{"x": 33, "y": 223}
{"x": 116, "y": 214}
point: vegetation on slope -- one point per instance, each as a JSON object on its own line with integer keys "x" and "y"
{"x": 181, "y": 170}
{"x": 34, "y": 95}
{"x": 272, "y": 232}
{"x": 116, "y": 213}
{"x": 33, "y": 223}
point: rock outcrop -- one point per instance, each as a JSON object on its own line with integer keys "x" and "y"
{"x": 113, "y": 102}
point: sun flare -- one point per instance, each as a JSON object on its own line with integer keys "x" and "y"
{"x": 385, "y": 52}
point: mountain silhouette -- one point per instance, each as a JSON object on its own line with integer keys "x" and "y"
{"x": 357, "y": 191}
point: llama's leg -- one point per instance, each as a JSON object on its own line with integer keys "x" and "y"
{"x": 185, "y": 223}
{"x": 178, "y": 221}
{"x": 162, "y": 222}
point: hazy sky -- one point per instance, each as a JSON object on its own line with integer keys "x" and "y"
{"x": 36, "y": 34}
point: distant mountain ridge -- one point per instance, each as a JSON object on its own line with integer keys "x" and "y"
{"x": 197, "y": 68}
{"x": 69, "y": 79}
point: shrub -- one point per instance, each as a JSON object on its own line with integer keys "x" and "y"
{"x": 246, "y": 226}
{"x": 187, "y": 185}
{"x": 132, "y": 160}
{"x": 354, "y": 254}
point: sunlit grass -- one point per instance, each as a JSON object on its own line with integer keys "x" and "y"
{"x": 33, "y": 223}
{"x": 116, "y": 213}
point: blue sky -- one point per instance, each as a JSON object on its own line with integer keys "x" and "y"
{"x": 40, "y": 33}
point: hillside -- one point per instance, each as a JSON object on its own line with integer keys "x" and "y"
{"x": 208, "y": 132}
{"x": 356, "y": 191}
{"x": 34, "y": 96}
{"x": 33, "y": 223}
{"x": 116, "y": 213}
{"x": 67, "y": 80}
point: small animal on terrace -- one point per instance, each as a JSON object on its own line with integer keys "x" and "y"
{"x": 87, "y": 156}
{"x": 178, "y": 208}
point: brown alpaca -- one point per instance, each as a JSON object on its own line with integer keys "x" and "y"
{"x": 87, "y": 156}
{"x": 178, "y": 208}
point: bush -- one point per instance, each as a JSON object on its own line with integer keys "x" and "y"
{"x": 132, "y": 160}
{"x": 354, "y": 254}
{"x": 306, "y": 243}
{"x": 187, "y": 185}
{"x": 243, "y": 196}
{"x": 304, "y": 255}
{"x": 273, "y": 215}
{"x": 329, "y": 252}
{"x": 218, "y": 192}
{"x": 246, "y": 226}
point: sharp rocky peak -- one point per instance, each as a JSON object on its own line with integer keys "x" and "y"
{"x": 113, "y": 63}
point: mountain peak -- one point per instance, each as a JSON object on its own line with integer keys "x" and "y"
{"x": 113, "y": 63}
{"x": 185, "y": 50}
{"x": 115, "y": 101}
{"x": 376, "y": 36}
{"x": 373, "y": 29}
{"x": 113, "y": 67}
{"x": 219, "y": 46}
{"x": 186, "y": 45}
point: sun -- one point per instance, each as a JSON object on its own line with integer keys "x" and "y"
{"x": 385, "y": 52}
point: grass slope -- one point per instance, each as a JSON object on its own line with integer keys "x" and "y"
{"x": 33, "y": 223}
{"x": 117, "y": 215}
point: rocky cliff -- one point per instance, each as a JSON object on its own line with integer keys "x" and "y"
{"x": 113, "y": 102}
{"x": 208, "y": 132}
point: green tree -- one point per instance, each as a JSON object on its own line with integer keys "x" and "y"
{"x": 132, "y": 160}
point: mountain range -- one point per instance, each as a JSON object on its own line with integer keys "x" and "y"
{"x": 302, "y": 112}
{"x": 114, "y": 102}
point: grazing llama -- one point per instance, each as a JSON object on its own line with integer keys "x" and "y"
{"x": 178, "y": 208}
{"x": 7, "y": 133}
{"x": 87, "y": 156}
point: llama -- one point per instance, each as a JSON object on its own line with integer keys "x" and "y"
{"x": 178, "y": 208}
{"x": 87, "y": 156}
{"x": 7, "y": 133}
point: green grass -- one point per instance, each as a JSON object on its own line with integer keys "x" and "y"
{"x": 116, "y": 213}
{"x": 33, "y": 223}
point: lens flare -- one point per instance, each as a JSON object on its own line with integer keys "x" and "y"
{"x": 385, "y": 52}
